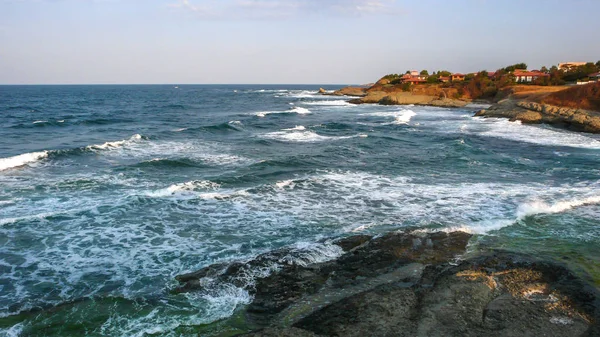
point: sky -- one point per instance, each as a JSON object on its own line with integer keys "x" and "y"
{"x": 284, "y": 41}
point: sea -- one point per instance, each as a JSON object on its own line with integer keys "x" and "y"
{"x": 108, "y": 192}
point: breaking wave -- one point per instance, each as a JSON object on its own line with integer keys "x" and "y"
{"x": 541, "y": 207}
{"x": 22, "y": 160}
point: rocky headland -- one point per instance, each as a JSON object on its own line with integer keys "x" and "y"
{"x": 385, "y": 93}
{"x": 406, "y": 284}
{"x": 573, "y": 107}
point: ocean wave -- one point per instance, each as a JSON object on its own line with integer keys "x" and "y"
{"x": 541, "y": 207}
{"x": 167, "y": 162}
{"x": 297, "y": 110}
{"x": 22, "y": 160}
{"x": 116, "y": 144}
{"x": 400, "y": 117}
{"x": 329, "y": 103}
{"x": 301, "y": 136}
{"x": 229, "y": 126}
{"x": 534, "y": 134}
{"x": 296, "y": 128}
{"x": 185, "y": 189}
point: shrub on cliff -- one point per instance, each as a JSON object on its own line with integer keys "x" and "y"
{"x": 406, "y": 86}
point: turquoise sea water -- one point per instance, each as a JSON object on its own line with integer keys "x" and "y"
{"x": 108, "y": 192}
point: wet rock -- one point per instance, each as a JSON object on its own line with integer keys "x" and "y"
{"x": 322, "y": 91}
{"x": 532, "y": 112}
{"x": 352, "y": 242}
{"x": 281, "y": 332}
{"x": 415, "y": 284}
{"x": 393, "y": 257}
{"x": 499, "y": 294}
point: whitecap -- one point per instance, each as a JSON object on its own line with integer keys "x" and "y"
{"x": 22, "y": 159}
{"x": 400, "y": 117}
{"x": 300, "y": 110}
{"x": 329, "y": 103}
{"x": 296, "y": 136}
{"x": 285, "y": 183}
{"x": 296, "y": 128}
{"x": 116, "y": 144}
{"x": 534, "y": 134}
{"x": 541, "y": 207}
{"x": 37, "y": 122}
{"x": 183, "y": 189}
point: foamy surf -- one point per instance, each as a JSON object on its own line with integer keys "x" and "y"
{"x": 328, "y": 103}
{"x": 116, "y": 144}
{"x": 400, "y": 117}
{"x": 541, "y": 207}
{"x": 22, "y": 160}
{"x": 297, "y": 110}
{"x": 296, "y": 128}
{"x": 188, "y": 188}
{"x": 301, "y": 136}
{"x": 301, "y": 110}
{"x": 534, "y": 134}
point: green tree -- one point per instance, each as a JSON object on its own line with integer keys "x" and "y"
{"x": 424, "y": 72}
{"x": 521, "y": 66}
{"x": 433, "y": 78}
{"x": 444, "y": 73}
{"x": 544, "y": 70}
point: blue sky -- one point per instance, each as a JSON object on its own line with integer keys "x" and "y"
{"x": 277, "y": 41}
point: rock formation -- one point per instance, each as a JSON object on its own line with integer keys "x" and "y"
{"x": 415, "y": 284}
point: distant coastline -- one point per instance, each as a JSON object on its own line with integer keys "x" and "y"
{"x": 537, "y": 96}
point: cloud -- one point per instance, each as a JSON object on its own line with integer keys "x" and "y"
{"x": 283, "y": 9}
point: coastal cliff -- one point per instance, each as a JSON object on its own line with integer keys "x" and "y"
{"x": 407, "y": 284}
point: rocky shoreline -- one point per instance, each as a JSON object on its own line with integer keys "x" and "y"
{"x": 407, "y": 284}
{"x": 528, "y": 104}
{"x": 536, "y": 113}
{"x": 376, "y": 95}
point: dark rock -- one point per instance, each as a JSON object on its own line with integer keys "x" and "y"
{"x": 352, "y": 242}
{"x": 281, "y": 332}
{"x": 409, "y": 284}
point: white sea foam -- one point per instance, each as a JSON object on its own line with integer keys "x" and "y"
{"x": 543, "y": 135}
{"x": 541, "y": 207}
{"x": 37, "y": 122}
{"x": 300, "y": 110}
{"x": 185, "y": 189}
{"x": 265, "y": 113}
{"x": 296, "y": 128}
{"x": 235, "y": 123}
{"x": 180, "y": 129}
{"x": 298, "y": 136}
{"x": 22, "y": 159}
{"x": 328, "y": 103}
{"x": 285, "y": 183}
{"x": 116, "y": 144}
{"x": 400, "y": 117}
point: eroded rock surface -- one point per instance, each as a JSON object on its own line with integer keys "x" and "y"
{"x": 420, "y": 284}
{"x": 533, "y": 113}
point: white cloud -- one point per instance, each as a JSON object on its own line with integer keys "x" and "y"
{"x": 280, "y": 9}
